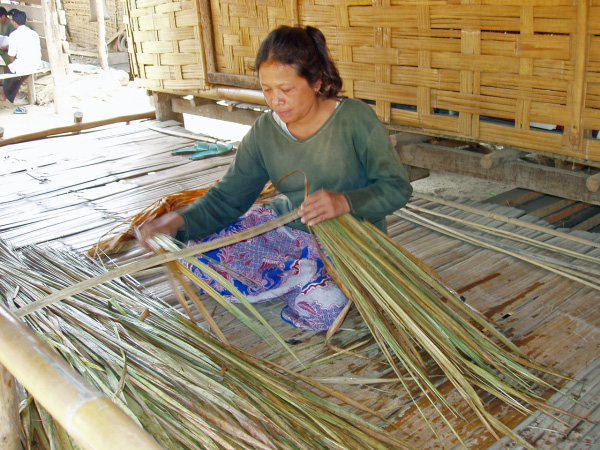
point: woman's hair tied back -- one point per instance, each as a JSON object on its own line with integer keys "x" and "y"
{"x": 305, "y": 49}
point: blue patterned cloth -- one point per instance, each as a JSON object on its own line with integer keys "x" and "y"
{"x": 280, "y": 264}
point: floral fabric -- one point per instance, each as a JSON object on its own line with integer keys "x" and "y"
{"x": 280, "y": 264}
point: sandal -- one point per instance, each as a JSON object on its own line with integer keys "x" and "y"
{"x": 20, "y": 110}
{"x": 213, "y": 149}
{"x": 198, "y": 147}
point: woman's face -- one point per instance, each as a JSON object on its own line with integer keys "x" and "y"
{"x": 287, "y": 93}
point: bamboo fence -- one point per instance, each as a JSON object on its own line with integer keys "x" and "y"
{"x": 520, "y": 73}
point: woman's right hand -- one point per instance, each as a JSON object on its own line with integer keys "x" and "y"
{"x": 169, "y": 224}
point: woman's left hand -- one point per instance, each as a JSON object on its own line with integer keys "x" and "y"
{"x": 322, "y": 205}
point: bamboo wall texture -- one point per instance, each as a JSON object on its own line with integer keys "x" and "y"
{"x": 485, "y": 70}
{"x": 84, "y": 33}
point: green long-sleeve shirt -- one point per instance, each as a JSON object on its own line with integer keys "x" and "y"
{"x": 350, "y": 154}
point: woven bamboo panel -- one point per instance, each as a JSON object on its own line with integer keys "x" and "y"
{"x": 84, "y": 33}
{"x": 522, "y": 73}
{"x": 165, "y": 45}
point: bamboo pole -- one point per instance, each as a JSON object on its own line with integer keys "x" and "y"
{"x": 236, "y": 94}
{"x": 9, "y": 413}
{"x": 102, "y": 56}
{"x": 90, "y": 418}
{"x": 75, "y": 128}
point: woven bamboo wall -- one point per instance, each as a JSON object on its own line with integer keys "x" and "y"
{"x": 84, "y": 33}
{"x": 485, "y": 70}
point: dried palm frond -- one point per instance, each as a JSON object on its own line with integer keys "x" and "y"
{"x": 410, "y": 311}
{"x": 161, "y": 206}
{"x": 186, "y": 388}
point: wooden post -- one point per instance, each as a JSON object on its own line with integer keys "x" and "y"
{"x": 9, "y": 412}
{"x": 102, "y": 56}
{"x": 163, "y": 107}
{"x": 31, "y": 89}
{"x": 56, "y": 57}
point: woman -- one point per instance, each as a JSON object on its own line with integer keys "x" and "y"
{"x": 340, "y": 145}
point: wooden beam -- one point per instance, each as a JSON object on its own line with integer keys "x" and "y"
{"x": 593, "y": 182}
{"x": 514, "y": 198}
{"x": 416, "y": 173}
{"x": 243, "y": 81}
{"x": 548, "y": 180}
{"x": 163, "y": 106}
{"x": 214, "y": 111}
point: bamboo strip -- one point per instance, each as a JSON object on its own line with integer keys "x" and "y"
{"x": 506, "y": 234}
{"x": 89, "y": 417}
{"x": 518, "y": 222}
{"x": 565, "y": 272}
{"x": 154, "y": 261}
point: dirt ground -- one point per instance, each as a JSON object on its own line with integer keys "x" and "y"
{"x": 97, "y": 93}
{"x": 101, "y": 94}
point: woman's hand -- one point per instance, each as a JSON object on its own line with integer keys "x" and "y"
{"x": 169, "y": 223}
{"x": 322, "y": 205}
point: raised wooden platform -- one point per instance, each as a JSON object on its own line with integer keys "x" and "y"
{"x": 70, "y": 191}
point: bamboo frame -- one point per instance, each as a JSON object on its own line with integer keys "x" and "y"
{"x": 89, "y": 417}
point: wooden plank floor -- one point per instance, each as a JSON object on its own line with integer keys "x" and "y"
{"x": 69, "y": 191}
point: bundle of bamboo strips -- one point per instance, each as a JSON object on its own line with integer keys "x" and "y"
{"x": 186, "y": 388}
{"x": 410, "y": 311}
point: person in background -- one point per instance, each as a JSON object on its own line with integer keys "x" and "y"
{"x": 25, "y": 55}
{"x": 6, "y": 27}
{"x": 350, "y": 164}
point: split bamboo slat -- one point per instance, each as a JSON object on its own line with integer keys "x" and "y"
{"x": 521, "y": 73}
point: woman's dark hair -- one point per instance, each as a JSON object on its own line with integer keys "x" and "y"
{"x": 3, "y": 11}
{"x": 306, "y": 51}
